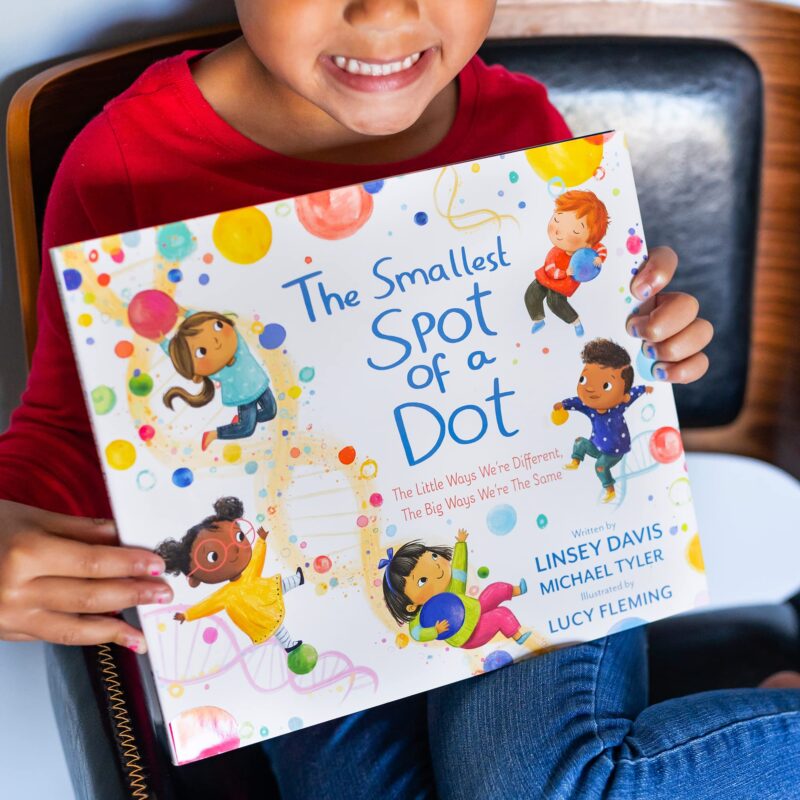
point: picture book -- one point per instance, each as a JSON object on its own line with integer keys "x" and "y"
{"x": 385, "y": 437}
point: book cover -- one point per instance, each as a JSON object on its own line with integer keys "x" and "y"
{"x": 386, "y": 437}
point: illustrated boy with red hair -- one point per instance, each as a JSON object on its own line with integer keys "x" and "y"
{"x": 580, "y": 220}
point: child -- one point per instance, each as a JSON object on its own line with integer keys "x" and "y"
{"x": 605, "y": 391}
{"x": 207, "y": 348}
{"x": 216, "y": 550}
{"x": 317, "y": 95}
{"x": 579, "y": 220}
{"x": 417, "y": 572}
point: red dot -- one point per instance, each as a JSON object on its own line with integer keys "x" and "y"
{"x": 322, "y": 564}
{"x": 208, "y": 258}
{"x": 347, "y": 455}
{"x": 308, "y": 259}
{"x": 517, "y": 344}
{"x": 295, "y": 452}
{"x": 146, "y": 433}
{"x": 103, "y": 279}
{"x": 376, "y": 500}
{"x": 545, "y": 350}
{"x": 93, "y": 256}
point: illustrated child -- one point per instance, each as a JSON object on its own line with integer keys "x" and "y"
{"x": 605, "y": 391}
{"x": 208, "y": 348}
{"x": 417, "y": 572}
{"x": 580, "y": 220}
{"x": 217, "y": 550}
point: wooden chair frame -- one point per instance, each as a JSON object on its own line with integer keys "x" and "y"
{"x": 769, "y": 424}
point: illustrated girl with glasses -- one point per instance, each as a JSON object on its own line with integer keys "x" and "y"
{"x": 225, "y": 548}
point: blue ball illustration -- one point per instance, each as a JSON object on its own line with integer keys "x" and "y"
{"x": 443, "y": 606}
{"x": 496, "y": 659}
{"x": 583, "y": 266}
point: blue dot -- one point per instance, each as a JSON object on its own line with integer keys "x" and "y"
{"x": 373, "y": 187}
{"x": 90, "y": 340}
{"x": 334, "y": 582}
{"x": 634, "y": 271}
{"x": 403, "y": 207}
{"x": 131, "y": 239}
{"x": 137, "y": 373}
{"x": 631, "y": 231}
{"x": 497, "y": 659}
{"x": 272, "y": 337}
{"x": 295, "y": 723}
{"x": 500, "y": 193}
{"x": 251, "y": 467}
{"x": 292, "y": 539}
{"x": 421, "y": 218}
{"x": 175, "y": 276}
{"x": 204, "y": 279}
{"x": 72, "y": 279}
{"x": 391, "y": 530}
{"x": 522, "y": 204}
{"x": 501, "y": 519}
{"x": 183, "y": 477}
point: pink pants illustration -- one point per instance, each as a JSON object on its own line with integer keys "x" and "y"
{"x": 494, "y": 617}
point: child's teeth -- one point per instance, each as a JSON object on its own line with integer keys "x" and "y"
{"x": 356, "y": 67}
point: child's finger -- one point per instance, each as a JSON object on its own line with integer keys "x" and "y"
{"x": 65, "y": 557}
{"x": 71, "y": 629}
{"x": 72, "y": 595}
{"x": 672, "y": 313}
{"x": 692, "y": 339}
{"x": 686, "y": 371}
{"x": 655, "y": 273}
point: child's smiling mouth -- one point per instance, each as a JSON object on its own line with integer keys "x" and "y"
{"x": 378, "y": 75}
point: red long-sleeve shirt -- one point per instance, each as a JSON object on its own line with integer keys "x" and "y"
{"x": 159, "y": 153}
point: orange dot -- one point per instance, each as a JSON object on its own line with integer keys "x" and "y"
{"x": 295, "y": 452}
{"x": 103, "y": 279}
{"x": 545, "y": 350}
{"x": 123, "y": 349}
{"x": 308, "y": 259}
{"x": 207, "y": 258}
{"x": 347, "y": 455}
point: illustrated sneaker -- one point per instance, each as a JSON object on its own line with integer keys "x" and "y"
{"x": 609, "y": 495}
{"x": 302, "y": 578}
{"x": 294, "y": 646}
{"x": 537, "y": 326}
{"x": 523, "y": 586}
{"x": 524, "y": 638}
{"x": 574, "y": 464}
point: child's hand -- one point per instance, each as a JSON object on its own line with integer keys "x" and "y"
{"x": 262, "y": 533}
{"x": 179, "y": 617}
{"x": 60, "y": 576}
{"x": 672, "y": 332}
{"x": 462, "y": 535}
{"x": 442, "y": 626}
{"x": 648, "y": 390}
{"x": 558, "y": 406}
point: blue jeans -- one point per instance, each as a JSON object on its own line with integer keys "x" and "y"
{"x": 574, "y": 723}
{"x": 262, "y": 409}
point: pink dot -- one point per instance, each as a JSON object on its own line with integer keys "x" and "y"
{"x": 208, "y": 258}
{"x": 634, "y": 244}
{"x": 118, "y": 256}
{"x": 210, "y": 635}
{"x": 146, "y": 433}
{"x": 304, "y": 545}
{"x": 376, "y": 500}
{"x": 362, "y": 521}
{"x": 376, "y": 582}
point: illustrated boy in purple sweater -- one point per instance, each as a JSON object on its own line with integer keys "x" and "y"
{"x": 605, "y": 391}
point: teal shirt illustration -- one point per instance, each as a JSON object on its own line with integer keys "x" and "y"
{"x": 242, "y": 382}
{"x": 458, "y": 587}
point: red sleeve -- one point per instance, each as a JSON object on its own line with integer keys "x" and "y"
{"x": 47, "y": 456}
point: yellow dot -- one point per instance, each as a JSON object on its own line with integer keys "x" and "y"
{"x": 294, "y": 392}
{"x": 89, "y": 298}
{"x": 232, "y": 453}
{"x": 110, "y": 244}
{"x": 243, "y": 236}
{"x": 257, "y": 328}
{"x": 322, "y": 588}
{"x": 694, "y": 554}
{"x": 85, "y": 320}
{"x": 401, "y": 640}
{"x": 684, "y": 527}
{"x": 175, "y": 690}
{"x": 120, "y": 454}
{"x": 476, "y": 167}
{"x": 162, "y": 627}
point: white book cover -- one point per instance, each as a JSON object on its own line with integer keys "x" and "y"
{"x": 387, "y": 436}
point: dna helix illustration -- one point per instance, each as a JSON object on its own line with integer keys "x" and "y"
{"x": 197, "y": 653}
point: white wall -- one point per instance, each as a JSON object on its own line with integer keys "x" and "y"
{"x": 35, "y": 35}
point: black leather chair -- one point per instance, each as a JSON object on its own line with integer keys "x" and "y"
{"x": 692, "y": 110}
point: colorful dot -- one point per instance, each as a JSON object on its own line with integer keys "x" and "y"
{"x": 120, "y": 454}
{"x": 347, "y": 455}
{"x": 175, "y": 276}
{"x": 123, "y": 349}
{"x": 147, "y": 432}
{"x": 541, "y": 521}
{"x": 231, "y": 453}
{"x": 391, "y": 530}
{"x": 85, "y": 320}
{"x": 373, "y": 187}
{"x": 183, "y": 477}
{"x": 306, "y": 374}
{"x": 483, "y": 572}
{"x": 295, "y": 723}
{"x": 522, "y": 204}
{"x": 476, "y": 167}
{"x": 362, "y": 521}
{"x": 501, "y": 519}
{"x": 72, "y": 279}
{"x": 210, "y": 634}
{"x": 89, "y": 298}
{"x": 513, "y": 177}
{"x": 140, "y": 384}
{"x": 421, "y": 218}
{"x": 203, "y": 279}
{"x": 251, "y": 467}
{"x": 294, "y": 392}
{"x": 322, "y": 564}
{"x": 273, "y": 336}
{"x": 376, "y": 500}
{"x": 103, "y": 279}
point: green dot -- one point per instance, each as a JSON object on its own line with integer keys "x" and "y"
{"x": 141, "y": 385}
{"x": 483, "y": 572}
{"x": 615, "y": 192}
{"x": 103, "y": 399}
{"x": 513, "y": 177}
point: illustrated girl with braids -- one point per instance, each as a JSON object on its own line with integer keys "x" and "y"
{"x": 208, "y": 348}
{"x": 218, "y": 550}
{"x": 418, "y": 572}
